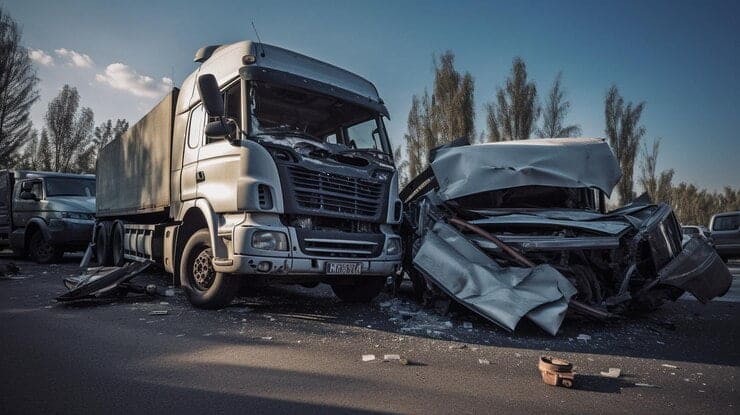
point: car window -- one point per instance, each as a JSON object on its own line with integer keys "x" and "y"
{"x": 726, "y": 223}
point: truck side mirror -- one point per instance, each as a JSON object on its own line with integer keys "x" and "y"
{"x": 221, "y": 129}
{"x": 210, "y": 95}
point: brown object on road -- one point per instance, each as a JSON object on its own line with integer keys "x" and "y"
{"x": 556, "y": 371}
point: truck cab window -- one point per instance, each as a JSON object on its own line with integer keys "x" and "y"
{"x": 364, "y": 135}
{"x": 232, "y": 104}
{"x": 197, "y": 126}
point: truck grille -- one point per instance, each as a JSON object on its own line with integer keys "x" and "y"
{"x": 333, "y": 193}
{"x": 340, "y": 244}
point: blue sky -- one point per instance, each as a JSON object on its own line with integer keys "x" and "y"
{"x": 682, "y": 58}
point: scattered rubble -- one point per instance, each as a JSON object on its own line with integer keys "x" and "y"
{"x": 669, "y": 366}
{"x": 484, "y": 362}
{"x": 368, "y": 357}
{"x": 159, "y": 313}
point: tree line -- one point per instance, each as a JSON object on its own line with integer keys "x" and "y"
{"x": 69, "y": 141}
{"x": 514, "y": 113}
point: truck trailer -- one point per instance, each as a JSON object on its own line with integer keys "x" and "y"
{"x": 265, "y": 165}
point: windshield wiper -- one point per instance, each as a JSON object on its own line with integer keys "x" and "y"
{"x": 374, "y": 151}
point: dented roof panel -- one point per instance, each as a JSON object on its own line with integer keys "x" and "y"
{"x": 558, "y": 162}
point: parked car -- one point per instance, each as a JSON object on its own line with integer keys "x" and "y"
{"x": 725, "y": 228}
{"x": 45, "y": 214}
{"x": 698, "y": 231}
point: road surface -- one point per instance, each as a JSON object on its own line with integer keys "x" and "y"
{"x": 298, "y": 350}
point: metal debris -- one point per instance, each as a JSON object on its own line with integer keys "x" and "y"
{"x": 613, "y": 373}
{"x": 584, "y": 337}
{"x": 669, "y": 366}
{"x": 368, "y": 357}
{"x": 159, "y": 313}
{"x": 484, "y": 362}
{"x": 556, "y": 371}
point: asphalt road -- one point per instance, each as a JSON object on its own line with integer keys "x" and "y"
{"x": 298, "y": 350}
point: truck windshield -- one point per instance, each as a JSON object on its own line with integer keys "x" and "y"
{"x": 69, "y": 187}
{"x": 277, "y": 110}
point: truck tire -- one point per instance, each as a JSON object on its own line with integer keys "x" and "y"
{"x": 116, "y": 244}
{"x": 103, "y": 253}
{"x": 362, "y": 291}
{"x": 42, "y": 251}
{"x": 204, "y": 287}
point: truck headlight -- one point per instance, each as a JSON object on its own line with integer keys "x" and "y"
{"x": 270, "y": 241}
{"x": 393, "y": 246}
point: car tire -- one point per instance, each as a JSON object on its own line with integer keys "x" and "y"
{"x": 42, "y": 251}
{"x": 204, "y": 287}
{"x": 362, "y": 291}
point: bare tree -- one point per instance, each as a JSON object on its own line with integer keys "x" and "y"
{"x": 108, "y": 131}
{"x": 17, "y": 91}
{"x": 69, "y": 132}
{"x": 554, "y": 113}
{"x": 512, "y": 116}
{"x": 439, "y": 118}
{"x": 624, "y": 134}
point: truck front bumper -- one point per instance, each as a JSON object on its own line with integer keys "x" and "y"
{"x": 70, "y": 232}
{"x": 293, "y": 262}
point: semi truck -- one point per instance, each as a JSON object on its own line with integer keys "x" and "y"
{"x": 45, "y": 214}
{"x": 265, "y": 165}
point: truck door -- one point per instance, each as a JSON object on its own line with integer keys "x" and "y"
{"x": 219, "y": 160}
{"x": 25, "y": 209}
{"x": 189, "y": 176}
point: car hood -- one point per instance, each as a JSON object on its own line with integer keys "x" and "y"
{"x": 558, "y": 162}
{"x": 80, "y": 204}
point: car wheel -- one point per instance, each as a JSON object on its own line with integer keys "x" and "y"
{"x": 204, "y": 287}
{"x": 362, "y": 291}
{"x": 42, "y": 251}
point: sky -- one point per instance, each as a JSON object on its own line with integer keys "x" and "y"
{"x": 681, "y": 57}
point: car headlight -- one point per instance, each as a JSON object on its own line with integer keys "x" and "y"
{"x": 270, "y": 241}
{"x": 393, "y": 246}
{"x": 77, "y": 215}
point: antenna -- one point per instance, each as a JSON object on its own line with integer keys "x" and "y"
{"x": 259, "y": 40}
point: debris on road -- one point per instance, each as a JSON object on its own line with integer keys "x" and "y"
{"x": 613, "y": 373}
{"x": 646, "y": 385}
{"x": 159, "y": 313}
{"x": 6, "y": 270}
{"x": 556, "y": 371}
{"x": 467, "y": 325}
{"x": 669, "y": 366}
{"x": 102, "y": 281}
{"x": 368, "y": 357}
{"x": 459, "y": 346}
{"x": 484, "y": 362}
{"x": 584, "y": 337}
{"x": 389, "y": 357}
{"x": 520, "y": 229}
{"x": 266, "y": 338}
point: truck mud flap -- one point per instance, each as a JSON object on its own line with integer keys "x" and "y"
{"x": 502, "y": 295}
{"x": 100, "y": 281}
{"x": 699, "y": 270}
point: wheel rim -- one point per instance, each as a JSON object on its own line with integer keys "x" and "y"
{"x": 202, "y": 270}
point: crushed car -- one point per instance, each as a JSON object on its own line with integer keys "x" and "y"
{"x": 521, "y": 229}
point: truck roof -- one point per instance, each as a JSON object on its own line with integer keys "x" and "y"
{"x": 30, "y": 174}
{"x": 225, "y": 62}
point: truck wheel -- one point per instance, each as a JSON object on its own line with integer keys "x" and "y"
{"x": 116, "y": 243}
{"x": 362, "y": 291}
{"x": 204, "y": 287}
{"x": 103, "y": 253}
{"x": 42, "y": 251}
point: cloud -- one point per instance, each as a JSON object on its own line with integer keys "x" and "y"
{"x": 74, "y": 58}
{"x": 125, "y": 78}
{"x": 40, "y": 57}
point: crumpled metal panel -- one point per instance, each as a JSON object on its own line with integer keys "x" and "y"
{"x": 503, "y": 295}
{"x": 609, "y": 227}
{"x": 699, "y": 270}
{"x": 559, "y": 162}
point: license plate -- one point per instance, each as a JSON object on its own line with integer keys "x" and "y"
{"x": 344, "y": 268}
